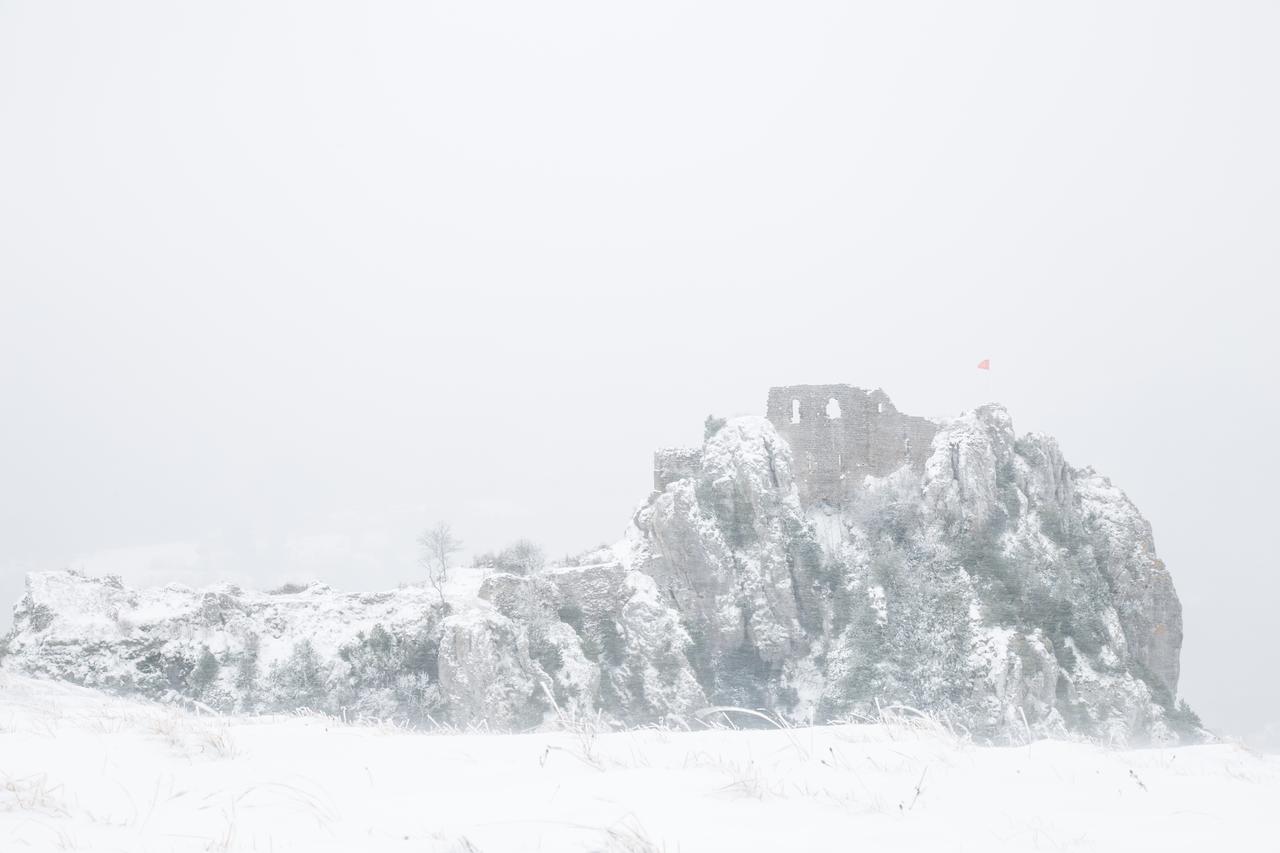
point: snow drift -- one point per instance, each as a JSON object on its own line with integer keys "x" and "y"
{"x": 85, "y": 771}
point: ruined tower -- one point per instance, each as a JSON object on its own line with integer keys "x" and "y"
{"x": 839, "y": 434}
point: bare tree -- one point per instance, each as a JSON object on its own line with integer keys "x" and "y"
{"x": 522, "y": 557}
{"x": 438, "y": 546}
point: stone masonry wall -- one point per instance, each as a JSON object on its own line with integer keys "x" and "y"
{"x": 675, "y": 463}
{"x": 839, "y": 434}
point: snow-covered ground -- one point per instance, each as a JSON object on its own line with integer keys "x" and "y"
{"x": 83, "y": 771}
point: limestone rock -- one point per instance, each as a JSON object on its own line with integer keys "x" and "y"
{"x": 604, "y": 638}
{"x": 485, "y": 671}
{"x": 841, "y": 553}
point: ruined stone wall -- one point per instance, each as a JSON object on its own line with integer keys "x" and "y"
{"x": 839, "y": 434}
{"x": 675, "y": 463}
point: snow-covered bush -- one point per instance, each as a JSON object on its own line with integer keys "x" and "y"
{"x": 301, "y": 681}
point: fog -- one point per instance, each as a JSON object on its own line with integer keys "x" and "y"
{"x": 281, "y": 284}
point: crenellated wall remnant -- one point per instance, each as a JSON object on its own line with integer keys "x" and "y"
{"x": 839, "y": 434}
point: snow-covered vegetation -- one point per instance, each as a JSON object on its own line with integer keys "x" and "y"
{"x": 82, "y": 771}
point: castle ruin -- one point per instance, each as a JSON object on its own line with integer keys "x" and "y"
{"x": 838, "y": 435}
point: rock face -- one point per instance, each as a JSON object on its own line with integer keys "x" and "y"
{"x": 838, "y": 553}
{"x": 831, "y": 558}
{"x": 373, "y": 653}
{"x": 485, "y": 670}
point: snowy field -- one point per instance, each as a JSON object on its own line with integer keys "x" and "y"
{"x": 80, "y": 771}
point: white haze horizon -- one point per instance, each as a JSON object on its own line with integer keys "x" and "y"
{"x": 281, "y": 284}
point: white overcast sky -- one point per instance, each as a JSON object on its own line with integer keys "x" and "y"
{"x": 283, "y": 282}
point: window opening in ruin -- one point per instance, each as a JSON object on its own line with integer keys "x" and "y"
{"x": 879, "y": 408}
{"x": 795, "y": 411}
{"x": 833, "y": 408}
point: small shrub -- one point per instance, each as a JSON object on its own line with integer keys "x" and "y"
{"x": 521, "y": 557}
{"x": 299, "y": 682}
{"x": 612, "y": 647}
{"x": 742, "y": 678}
{"x": 422, "y": 654}
{"x": 390, "y": 673}
{"x": 165, "y": 672}
{"x": 1184, "y": 720}
{"x": 205, "y": 673}
{"x": 247, "y": 670}
{"x": 39, "y": 617}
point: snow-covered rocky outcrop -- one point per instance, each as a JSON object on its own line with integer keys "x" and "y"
{"x": 838, "y": 554}
{"x": 831, "y": 558}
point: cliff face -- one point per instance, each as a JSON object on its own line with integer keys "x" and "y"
{"x": 834, "y": 555}
{"x": 828, "y": 557}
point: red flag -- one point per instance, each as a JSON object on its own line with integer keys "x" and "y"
{"x": 985, "y": 364}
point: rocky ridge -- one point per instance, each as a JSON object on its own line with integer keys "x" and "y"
{"x": 829, "y": 559}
